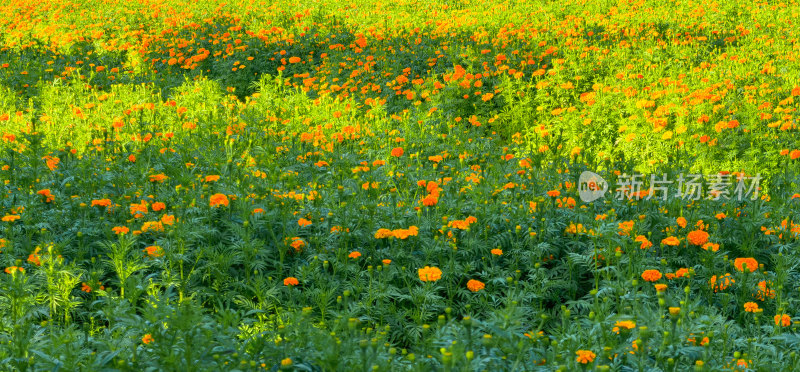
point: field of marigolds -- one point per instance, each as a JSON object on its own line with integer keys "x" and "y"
{"x": 443, "y": 185}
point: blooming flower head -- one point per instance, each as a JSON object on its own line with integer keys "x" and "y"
{"x": 120, "y": 230}
{"x": 750, "y": 307}
{"x": 660, "y": 287}
{"x": 291, "y": 281}
{"x": 674, "y": 311}
{"x": 672, "y": 241}
{"x": 698, "y": 237}
{"x": 623, "y": 325}
{"x": 147, "y": 339}
{"x": 745, "y": 263}
{"x": 397, "y": 152}
{"x": 721, "y": 282}
{"x": 217, "y": 200}
{"x": 681, "y": 222}
{"x": 783, "y": 320}
{"x": 585, "y": 356}
{"x": 303, "y": 222}
{"x": 651, "y": 275}
{"x": 497, "y": 252}
{"x": 354, "y": 254}
{"x": 154, "y": 251}
{"x": 475, "y": 285}
{"x": 554, "y": 194}
{"x": 429, "y": 274}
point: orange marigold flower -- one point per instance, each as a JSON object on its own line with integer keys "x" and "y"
{"x": 383, "y": 233}
{"x": 651, "y": 275}
{"x": 386, "y": 261}
{"x": 475, "y": 285}
{"x": 217, "y": 200}
{"x": 623, "y": 324}
{"x": 497, "y": 252}
{"x": 660, "y": 287}
{"x": 158, "y": 206}
{"x": 783, "y": 320}
{"x": 120, "y": 230}
{"x": 681, "y": 222}
{"x": 147, "y": 339}
{"x": 397, "y": 152}
{"x": 711, "y": 246}
{"x": 101, "y": 202}
{"x": 14, "y": 269}
{"x": 673, "y": 241}
{"x": 161, "y": 177}
{"x": 154, "y": 251}
{"x": 585, "y": 356}
{"x": 303, "y": 222}
{"x": 721, "y": 282}
{"x": 750, "y": 307}
{"x": 698, "y": 237}
{"x": 644, "y": 242}
{"x": 354, "y": 254}
{"x": 429, "y": 274}
{"x": 211, "y": 178}
{"x": 745, "y": 263}
{"x": 554, "y": 193}
{"x": 35, "y": 257}
{"x": 291, "y": 281}
{"x": 10, "y": 218}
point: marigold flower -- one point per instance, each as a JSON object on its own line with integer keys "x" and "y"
{"x": 745, "y": 263}
{"x": 397, "y": 152}
{"x": 585, "y": 356}
{"x": 120, "y": 230}
{"x": 154, "y": 251}
{"x": 711, "y": 246}
{"x": 429, "y": 274}
{"x": 291, "y": 281}
{"x": 158, "y": 206}
{"x": 354, "y": 254}
{"x": 303, "y": 222}
{"x": 674, "y": 311}
{"x": 475, "y": 285}
{"x": 660, "y": 287}
{"x": 554, "y": 193}
{"x": 783, "y": 320}
{"x": 101, "y": 203}
{"x": 623, "y": 324}
{"x": 386, "y": 261}
{"x": 698, "y": 237}
{"x": 10, "y": 218}
{"x": 497, "y": 252}
{"x": 211, "y": 178}
{"x": 161, "y": 177}
{"x": 681, "y": 222}
{"x": 651, "y": 275}
{"x": 14, "y": 269}
{"x": 217, "y": 200}
{"x": 672, "y": 241}
{"x": 721, "y": 282}
{"x": 750, "y": 307}
{"x": 147, "y": 339}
